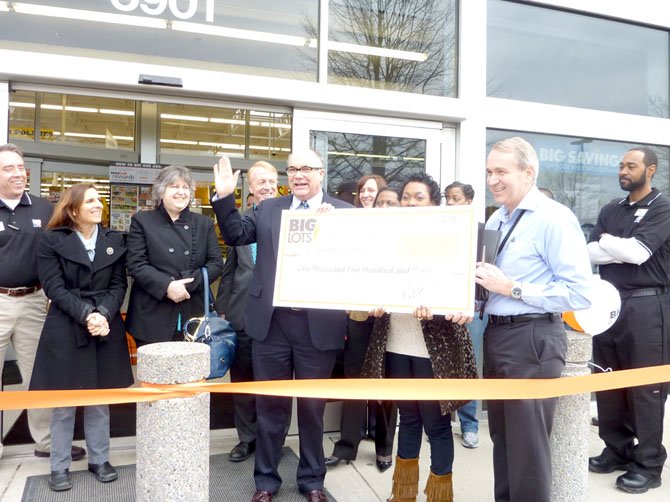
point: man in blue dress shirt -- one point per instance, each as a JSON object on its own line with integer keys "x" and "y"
{"x": 542, "y": 269}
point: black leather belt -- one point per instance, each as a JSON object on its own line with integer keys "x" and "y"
{"x": 290, "y": 310}
{"x": 512, "y": 319}
{"x": 20, "y": 291}
{"x": 636, "y": 293}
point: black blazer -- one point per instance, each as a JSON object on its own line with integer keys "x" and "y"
{"x": 160, "y": 251}
{"x": 234, "y": 286}
{"x": 327, "y": 327}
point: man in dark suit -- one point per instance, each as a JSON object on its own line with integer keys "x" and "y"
{"x": 230, "y": 301}
{"x": 287, "y": 342}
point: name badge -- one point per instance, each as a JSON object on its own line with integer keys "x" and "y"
{"x": 37, "y": 223}
{"x": 2, "y": 227}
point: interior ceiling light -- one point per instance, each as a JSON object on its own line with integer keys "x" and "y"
{"x": 92, "y": 136}
{"x": 18, "y": 104}
{"x": 222, "y": 145}
{"x": 217, "y": 120}
{"x": 86, "y": 15}
{"x": 192, "y": 118}
{"x": 256, "y": 36}
{"x": 111, "y": 111}
{"x": 85, "y": 109}
{"x": 368, "y": 50}
{"x": 179, "y": 141}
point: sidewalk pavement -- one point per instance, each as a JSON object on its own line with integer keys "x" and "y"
{"x": 358, "y": 481}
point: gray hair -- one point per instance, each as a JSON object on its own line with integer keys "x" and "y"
{"x": 11, "y": 147}
{"x": 306, "y": 157}
{"x": 525, "y": 154}
{"x": 167, "y": 177}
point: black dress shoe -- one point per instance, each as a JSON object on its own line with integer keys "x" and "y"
{"x": 77, "y": 453}
{"x": 104, "y": 473}
{"x": 59, "y": 481}
{"x": 262, "y": 496}
{"x": 316, "y": 496}
{"x": 634, "y": 482}
{"x": 241, "y": 451}
{"x": 332, "y": 461}
{"x": 602, "y": 464}
{"x": 384, "y": 465}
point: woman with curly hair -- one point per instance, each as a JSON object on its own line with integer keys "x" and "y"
{"x": 421, "y": 345}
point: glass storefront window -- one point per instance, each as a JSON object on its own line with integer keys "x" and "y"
{"x": 210, "y": 131}
{"x": 350, "y": 156}
{"x": 563, "y": 58}
{"x": 398, "y": 45}
{"x": 72, "y": 120}
{"x": 257, "y": 37}
{"x": 582, "y": 173}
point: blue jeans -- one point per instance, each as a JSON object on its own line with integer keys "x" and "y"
{"x": 467, "y": 414}
{"x": 417, "y": 416}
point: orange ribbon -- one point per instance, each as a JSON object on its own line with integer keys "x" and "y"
{"x": 375, "y": 389}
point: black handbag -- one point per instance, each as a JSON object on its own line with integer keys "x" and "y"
{"x": 215, "y": 332}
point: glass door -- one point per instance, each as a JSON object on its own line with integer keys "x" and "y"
{"x": 353, "y": 146}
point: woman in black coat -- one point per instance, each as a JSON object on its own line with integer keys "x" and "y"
{"x": 83, "y": 343}
{"x": 166, "y": 249}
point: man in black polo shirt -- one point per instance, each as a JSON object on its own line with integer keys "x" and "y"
{"x": 22, "y": 300}
{"x": 631, "y": 243}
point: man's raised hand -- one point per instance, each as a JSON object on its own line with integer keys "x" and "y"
{"x": 225, "y": 180}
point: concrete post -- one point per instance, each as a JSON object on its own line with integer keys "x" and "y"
{"x": 173, "y": 434}
{"x": 570, "y": 435}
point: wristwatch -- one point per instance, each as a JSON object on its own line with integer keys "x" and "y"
{"x": 516, "y": 291}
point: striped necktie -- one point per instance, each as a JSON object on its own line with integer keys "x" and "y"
{"x": 303, "y": 205}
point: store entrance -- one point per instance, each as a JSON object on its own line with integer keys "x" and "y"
{"x": 353, "y": 146}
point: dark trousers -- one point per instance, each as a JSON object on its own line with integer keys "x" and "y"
{"x": 640, "y": 337}
{"x": 288, "y": 352}
{"x": 416, "y": 416}
{"x": 242, "y": 370}
{"x": 520, "y": 429}
{"x": 354, "y": 412}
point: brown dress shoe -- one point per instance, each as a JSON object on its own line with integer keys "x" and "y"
{"x": 262, "y": 496}
{"x": 316, "y": 496}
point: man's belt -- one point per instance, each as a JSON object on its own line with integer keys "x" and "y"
{"x": 20, "y": 291}
{"x": 515, "y": 319}
{"x": 636, "y": 293}
{"x": 291, "y": 310}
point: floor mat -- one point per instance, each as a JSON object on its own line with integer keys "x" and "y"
{"x": 228, "y": 482}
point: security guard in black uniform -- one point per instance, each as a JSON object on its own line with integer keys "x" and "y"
{"x": 631, "y": 243}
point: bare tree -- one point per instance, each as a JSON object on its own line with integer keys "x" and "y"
{"x": 423, "y": 34}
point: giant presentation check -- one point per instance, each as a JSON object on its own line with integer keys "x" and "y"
{"x": 359, "y": 259}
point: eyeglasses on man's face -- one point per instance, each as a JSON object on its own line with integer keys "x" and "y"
{"x": 291, "y": 171}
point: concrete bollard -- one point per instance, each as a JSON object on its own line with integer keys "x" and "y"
{"x": 173, "y": 434}
{"x": 570, "y": 434}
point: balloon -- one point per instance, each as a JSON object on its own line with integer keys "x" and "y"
{"x": 603, "y": 312}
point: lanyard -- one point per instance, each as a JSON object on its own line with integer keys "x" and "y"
{"x": 502, "y": 244}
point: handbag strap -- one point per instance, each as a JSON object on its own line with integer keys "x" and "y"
{"x": 205, "y": 278}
